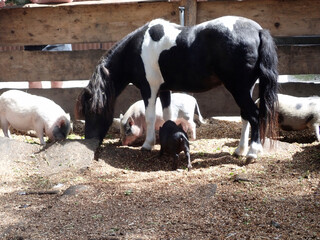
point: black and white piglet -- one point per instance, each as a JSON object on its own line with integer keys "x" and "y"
{"x": 24, "y": 111}
{"x": 173, "y": 140}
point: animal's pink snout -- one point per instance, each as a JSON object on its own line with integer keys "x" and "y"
{"x": 128, "y": 140}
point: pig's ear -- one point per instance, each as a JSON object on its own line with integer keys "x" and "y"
{"x": 184, "y": 128}
{"x": 130, "y": 121}
{"x": 61, "y": 122}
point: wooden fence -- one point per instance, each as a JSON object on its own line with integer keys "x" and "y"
{"x": 290, "y": 22}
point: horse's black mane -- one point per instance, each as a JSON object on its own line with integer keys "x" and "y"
{"x": 120, "y": 44}
{"x": 101, "y": 87}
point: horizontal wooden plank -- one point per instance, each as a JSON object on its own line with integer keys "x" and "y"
{"x": 299, "y": 40}
{"x": 68, "y": 23}
{"x": 282, "y": 18}
{"x": 299, "y": 59}
{"x": 89, "y": 2}
{"x": 107, "y": 22}
{"x": 48, "y": 66}
{"x": 79, "y": 65}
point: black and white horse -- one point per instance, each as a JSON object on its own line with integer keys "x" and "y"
{"x": 162, "y": 56}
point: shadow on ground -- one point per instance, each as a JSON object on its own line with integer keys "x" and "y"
{"x": 133, "y": 158}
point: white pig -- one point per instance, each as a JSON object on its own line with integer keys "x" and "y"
{"x": 299, "y": 113}
{"x": 294, "y": 114}
{"x": 24, "y": 111}
{"x": 133, "y": 122}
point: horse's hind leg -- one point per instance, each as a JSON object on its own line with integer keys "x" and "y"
{"x": 242, "y": 148}
{"x": 255, "y": 144}
{"x": 249, "y": 113}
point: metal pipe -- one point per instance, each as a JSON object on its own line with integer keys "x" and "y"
{"x": 181, "y": 15}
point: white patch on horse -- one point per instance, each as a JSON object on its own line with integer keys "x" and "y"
{"x": 228, "y": 21}
{"x": 254, "y": 150}
{"x": 242, "y": 149}
{"x": 150, "y": 53}
{"x": 151, "y": 50}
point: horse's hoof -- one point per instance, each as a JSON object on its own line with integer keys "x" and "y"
{"x": 145, "y": 149}
{"x": 146, "y": 146}
{"x": 236, "y": 155}
{"x": 250, "y": 160}
{"x": 254, "y": 150}
{"x": 240, "y": 151}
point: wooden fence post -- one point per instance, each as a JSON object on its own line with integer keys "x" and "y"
{"x": 190, "y": 12}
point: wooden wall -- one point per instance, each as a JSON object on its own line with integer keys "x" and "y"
{"x": 108, "y": 21}
{"x": 104, "y": 21}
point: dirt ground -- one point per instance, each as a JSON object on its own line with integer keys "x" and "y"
{"x": 126, "y": 193}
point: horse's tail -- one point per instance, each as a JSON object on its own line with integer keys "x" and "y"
{"x": 268, "y": 85}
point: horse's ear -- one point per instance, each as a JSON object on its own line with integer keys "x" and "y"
{"x": 105, "y": 70}
{"x": 121, "y": 116}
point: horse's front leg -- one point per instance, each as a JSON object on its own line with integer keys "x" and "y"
{"x": 150, "y": 122}
{"x": 165, "y": 98}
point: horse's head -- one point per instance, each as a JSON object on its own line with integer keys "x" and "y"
{"x": 95, "y": 104}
